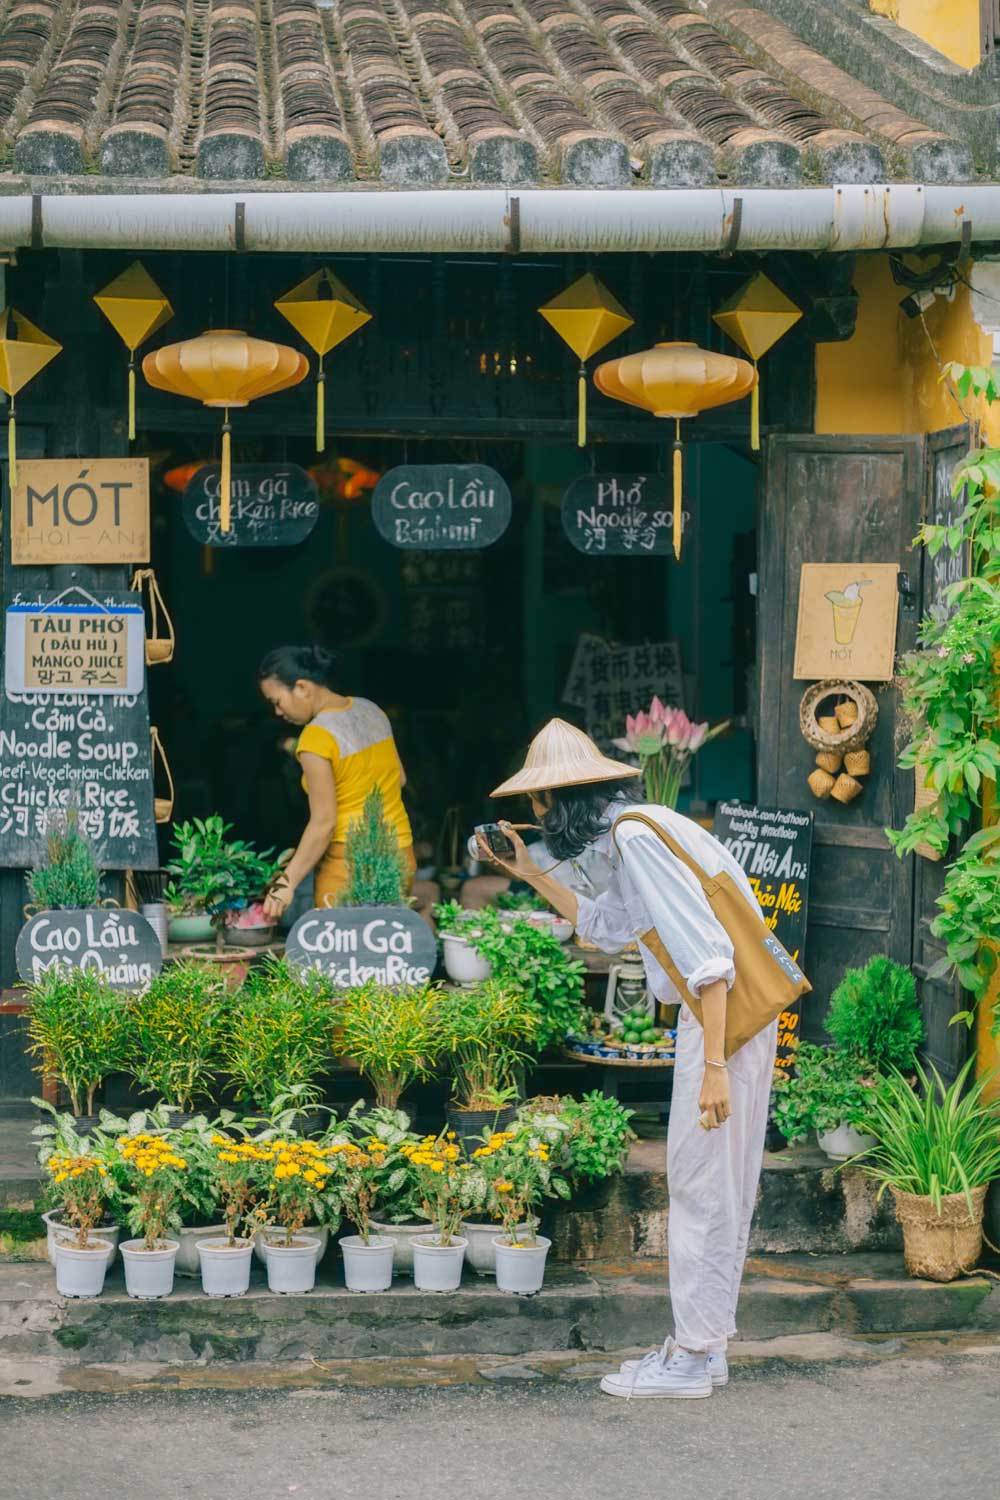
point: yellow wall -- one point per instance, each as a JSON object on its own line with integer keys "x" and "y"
{"x": 887, "y": 377}
{"x": 950, "y": 26}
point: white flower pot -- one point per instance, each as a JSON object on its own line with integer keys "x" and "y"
{"x": 292, "y": 1268}
{"x": 462, "y": 963}
{"x": 225, "y": 1268}
{"x": 313, "y": 1231}
{"x": 149, "y": 1273}
{"x": 81, "y": 1273}
{"x": 54, "y": 1228}
{"x": 402, "y": 1236}
{"x": 844, "y": 1142}
{"x": 437, "y": 1267}
{"x": 187, "y": 1263}
{"x": 521, "y": 1268}
{"x": 481, "y": 1255}
{"x": 367, "y": 1268}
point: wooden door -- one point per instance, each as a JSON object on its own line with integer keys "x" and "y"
{"x": 837, "y": 499}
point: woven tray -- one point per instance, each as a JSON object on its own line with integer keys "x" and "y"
{"x": 617, "y": 1062}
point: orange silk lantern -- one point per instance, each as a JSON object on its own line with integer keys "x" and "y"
{"x": 679, "y": 381}
{"x": 224, "y": 369}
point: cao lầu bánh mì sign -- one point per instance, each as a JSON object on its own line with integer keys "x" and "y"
{"x": 441, "y": 507}
{"x": 90, "y": 510}
{"x": 52, "y": 645}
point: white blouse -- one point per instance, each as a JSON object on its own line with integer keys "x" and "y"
{"x": 649, "y": 887}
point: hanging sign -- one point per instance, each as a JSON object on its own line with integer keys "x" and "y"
{"x": 272, "y": 506}
{"x": 773, "y": 846}
{"x": 89, "y": 510}
{"x": 120, "y": 946}
{"x": 352, "y": 944}
{"x": 619, "y": 515}
{"x": 847, "y": 621}
{"x": 72, "y": 642}
{"x": 608, "y": 681}
{"x": 441, "y": 507}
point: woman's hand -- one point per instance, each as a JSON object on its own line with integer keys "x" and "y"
{"x": 519, "y": 865}
{"x": 714, "y": 1098}
{"x": 278, "y": 900}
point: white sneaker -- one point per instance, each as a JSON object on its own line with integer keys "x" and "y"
{"x": 718, "y": 1367}
{"x": 667, "y": 1373}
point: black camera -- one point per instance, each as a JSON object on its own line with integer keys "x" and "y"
{"x": 495, "y": 840}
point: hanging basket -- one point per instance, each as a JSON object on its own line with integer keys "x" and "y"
{"x": 163, "y": 807}
{"x": 816, "y": 732}
{"x": 159, "y": 648}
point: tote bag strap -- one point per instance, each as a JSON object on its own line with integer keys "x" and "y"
{"x": 707, "y": 883}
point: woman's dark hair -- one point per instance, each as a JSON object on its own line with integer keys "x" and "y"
{"x": 292, "y": 664}
{"x": 580, "y": 814}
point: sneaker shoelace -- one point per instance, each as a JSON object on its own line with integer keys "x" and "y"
{"x": 650, "y": 1362}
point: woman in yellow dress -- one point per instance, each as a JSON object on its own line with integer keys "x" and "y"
{"x": 345, "y": 750}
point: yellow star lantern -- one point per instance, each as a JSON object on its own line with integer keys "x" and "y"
{"x": 586, "y": 317}
{"x": 679, "y": 381}
{"x": 325, "y": 313}
{"x": 756, "y": 317}
{"x": 135, "y": 307}
{"x": 225, "y": 368}
{"x": 24, "y": 351}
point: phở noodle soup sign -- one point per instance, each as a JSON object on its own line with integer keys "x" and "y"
{"x": 441, "y": 507}
{"x": 354, "y": 944}
{"x": 619, "y": 515}
{"x": 120, "y": 946}
{"x": 91, "y": 647}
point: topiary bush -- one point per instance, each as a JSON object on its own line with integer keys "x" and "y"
{"x": 875, "y": 1015}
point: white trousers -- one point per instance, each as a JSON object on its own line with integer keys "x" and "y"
{"x": 712, "y": 1179}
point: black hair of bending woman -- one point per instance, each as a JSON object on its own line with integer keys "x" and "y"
{"x": 292, "y": 664}
{"x": 580, "y": 814}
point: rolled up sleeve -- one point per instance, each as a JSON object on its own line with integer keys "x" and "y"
{"x": 678, "y": 909}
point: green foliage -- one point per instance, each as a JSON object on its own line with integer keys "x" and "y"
{"x": 968, "y": 921}
{"x": 277, "y": 1037}
{"x": 484, "y": 1028}
{"x": 875, "y": 1015}
{"x": 177, "y": 1029}
{"x": 375, "y": 870}
{"x": 827, "y": 1089}
{"x": 534, "y": 962}
{"x": 519, "y": 901}
{"x": 590, "y": 1137}
{"x": 79, "y": 1030}
{"x": 70, "y": 878}
{"x": 212, "y": 873}
{"x": 394, "y": 1035}
{"x": 933, "y": 1141}
{"x": 397, "y": 1184}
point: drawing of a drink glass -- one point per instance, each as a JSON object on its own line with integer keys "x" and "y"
{"x": 846, "y": 605}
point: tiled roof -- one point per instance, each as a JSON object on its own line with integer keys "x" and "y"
{"x": 430, "y": 92}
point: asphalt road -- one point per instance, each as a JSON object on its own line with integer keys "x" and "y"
{"x": 890, "y": 1429}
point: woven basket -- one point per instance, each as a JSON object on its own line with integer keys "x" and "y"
{"x": 816, "y": 732}
{"x": 940, "y": 1247}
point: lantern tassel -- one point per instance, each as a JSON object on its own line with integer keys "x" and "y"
{"x": 755, "y": 412}
{"x": 678, "y": 489}
{"x": 225, "y": 511}
{"x": 131, "y": 398}
{"x": 321, "y": 410}
{"x": 581, "y": 412}
{"x": 11, "y": 447}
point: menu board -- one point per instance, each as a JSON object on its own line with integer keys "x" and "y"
{"x": 353, "y": 944}
{"x": 120, "y": 946}
{"x": 441, "y": 507}
{"x": 272, "y": 506}
{"x": 619, "y": 515}
{"x": 773, "y": 846}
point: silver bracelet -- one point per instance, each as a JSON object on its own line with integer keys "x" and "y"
{"x": 710, "y": 1064}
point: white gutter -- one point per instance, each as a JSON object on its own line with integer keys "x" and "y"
{"x": 534, "y": 220}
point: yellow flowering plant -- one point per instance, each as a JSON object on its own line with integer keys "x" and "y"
{"x": 439, "y": 1171}
{"x": 81, "y": 1188}
{"x": 237, "y": 1170}
{"x": 295, "y": 1178}
{"x": 361, "y": 1175}
{"x": 517, "y": 1167}
{"x": 154, "y": 1174}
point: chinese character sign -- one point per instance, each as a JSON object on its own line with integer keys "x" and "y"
{"x": 619, "y": 515}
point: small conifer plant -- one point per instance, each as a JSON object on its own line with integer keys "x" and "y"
{"x": 373, "y": 862}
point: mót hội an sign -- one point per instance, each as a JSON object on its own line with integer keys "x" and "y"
{"x": 119, "y": 946}
{"x": 390, "y": 945}
{"x": 90, "y": 510}
{"x": 441, "y": 507}
{"x": 83, "y": 645}
{"x": 272, "y": 506}
{"x": 619, "y": 515}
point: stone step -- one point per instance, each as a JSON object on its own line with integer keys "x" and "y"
{"x": 595, "y": 1308}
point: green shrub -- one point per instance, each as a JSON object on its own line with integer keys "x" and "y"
{"x": 70, "y": 878}
{"x": 375, "y": 870}
{"x": 79, "y": 1030}
{"x": 485, "y": 1030}
{"x": 591, "y": 1136}
{"x": 875, "y": 1015}
{"x": 828, "y": 1088}
{"x": 531, "y": 961}
{"x": 177, "y": 1028}
{"x": 277, "y": 1037}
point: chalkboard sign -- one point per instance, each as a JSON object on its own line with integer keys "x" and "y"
{"x": 58, "y": 749}
{"x": 352, "y": 944}
{"x": 120, "y": 946}
{"x": 441, "y": 507}
{"x": 773, "y": 846}
{"x": 619, "y": 515}
{"x": 272, "y": 506}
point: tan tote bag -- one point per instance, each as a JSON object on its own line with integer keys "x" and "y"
{"x": 768, "y": 980}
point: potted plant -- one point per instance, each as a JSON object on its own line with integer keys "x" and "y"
{"x": 438, "y": 1256}
{"x": 59, "y": 1136}
{"x": 225, "y": 1259}
{"x": 392, "y": 1035}
{"x": 368, "y": 1257}
{"x": 79, "y": 1029}
{"x": 457, "y": 928}
{"x": 277, "y": 1037}
{"x": 484, "y": 1030}
{"x": 295, "y": 1177}
{"x": 79, "y": 1185}
{"x": 198, "y": 1198}
{"x": 938, "y": 1149}
{"x": 875, "y": 1015}
{"x": 70, "y": 879}
{"x": 519, "y": 1170}
{"x": 533, "y": 962}
{"x": 154, "y": 1170}
{"x": 374, "y": 868}
{"x": 176, "y": 1036}
{"x": 400, "y": 1203}
{"x": 829, "y": 1092}
{"x": 212, "y": 876}
{"x": 590, "y": 1138}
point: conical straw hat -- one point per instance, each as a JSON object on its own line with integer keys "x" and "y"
{"x": 562, "y": 755}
